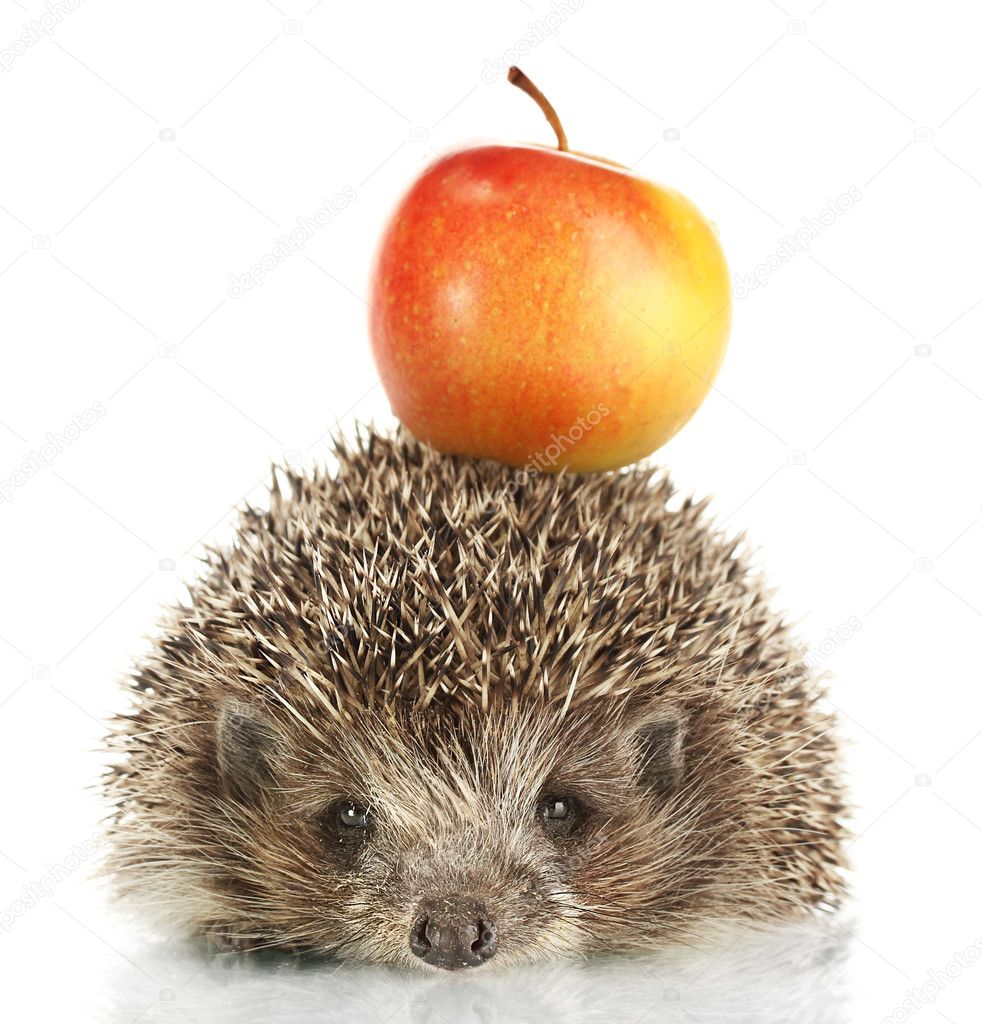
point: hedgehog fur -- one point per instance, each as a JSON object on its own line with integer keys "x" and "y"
{"x": 428, "y": 710}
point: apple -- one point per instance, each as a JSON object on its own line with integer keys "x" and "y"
{"x": 546, "y": 308}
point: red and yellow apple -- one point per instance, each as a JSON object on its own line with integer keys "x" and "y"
{"x": 547, "y": 308}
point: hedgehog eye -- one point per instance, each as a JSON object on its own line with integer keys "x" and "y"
{"x": 560, "y": 814}
{"x": 555, "y": 808}
{"x": 352, "y": 815}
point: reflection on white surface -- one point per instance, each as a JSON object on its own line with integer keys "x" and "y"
{"x": 786, "y": 975}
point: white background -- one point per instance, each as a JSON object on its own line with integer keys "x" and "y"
{"x": 151, "y": 151}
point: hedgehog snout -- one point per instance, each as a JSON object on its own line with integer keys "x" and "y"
{"x": 453, "y": 933}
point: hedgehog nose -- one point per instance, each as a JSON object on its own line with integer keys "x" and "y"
{"x": 453, "y": 933}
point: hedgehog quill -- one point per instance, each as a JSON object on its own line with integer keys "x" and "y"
{"x": 435, "y": 712}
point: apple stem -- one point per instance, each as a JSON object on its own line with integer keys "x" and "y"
{"x": 518, "y": 77}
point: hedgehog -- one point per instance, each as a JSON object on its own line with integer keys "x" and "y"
{"x": 434, "y": 712}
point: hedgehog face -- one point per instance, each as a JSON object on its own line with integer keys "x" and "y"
{"x": 437, "y": 841}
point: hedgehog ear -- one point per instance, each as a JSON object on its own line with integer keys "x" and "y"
{"x": 660, "y": 742}
{"x": 247, "y": 744}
